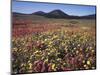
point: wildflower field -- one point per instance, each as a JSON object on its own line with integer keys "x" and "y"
{"x": 50, "y": 48}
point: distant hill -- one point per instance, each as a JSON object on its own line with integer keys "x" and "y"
{"x": 41, "y": 13}
{"x": 57, "y": 14}
{"x": 22, "y": 16}
{"x": 93, "y": 16}
{"x": 53, "y": 14}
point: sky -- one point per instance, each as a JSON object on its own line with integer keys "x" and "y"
{"x": 70, "y": 9}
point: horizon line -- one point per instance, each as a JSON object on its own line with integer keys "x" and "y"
{"x": 51, "y": 11}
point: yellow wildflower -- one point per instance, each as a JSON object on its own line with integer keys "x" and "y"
{"x": 53, "y": 66}
{"x": 88, "y": 62}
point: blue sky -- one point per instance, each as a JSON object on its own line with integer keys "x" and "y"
{"x": 30, "y": 7}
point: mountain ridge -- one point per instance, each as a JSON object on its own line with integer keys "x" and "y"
{"x": 58, "y": 14}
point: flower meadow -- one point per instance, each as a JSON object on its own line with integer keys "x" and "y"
{"x": 54, "y": 50}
